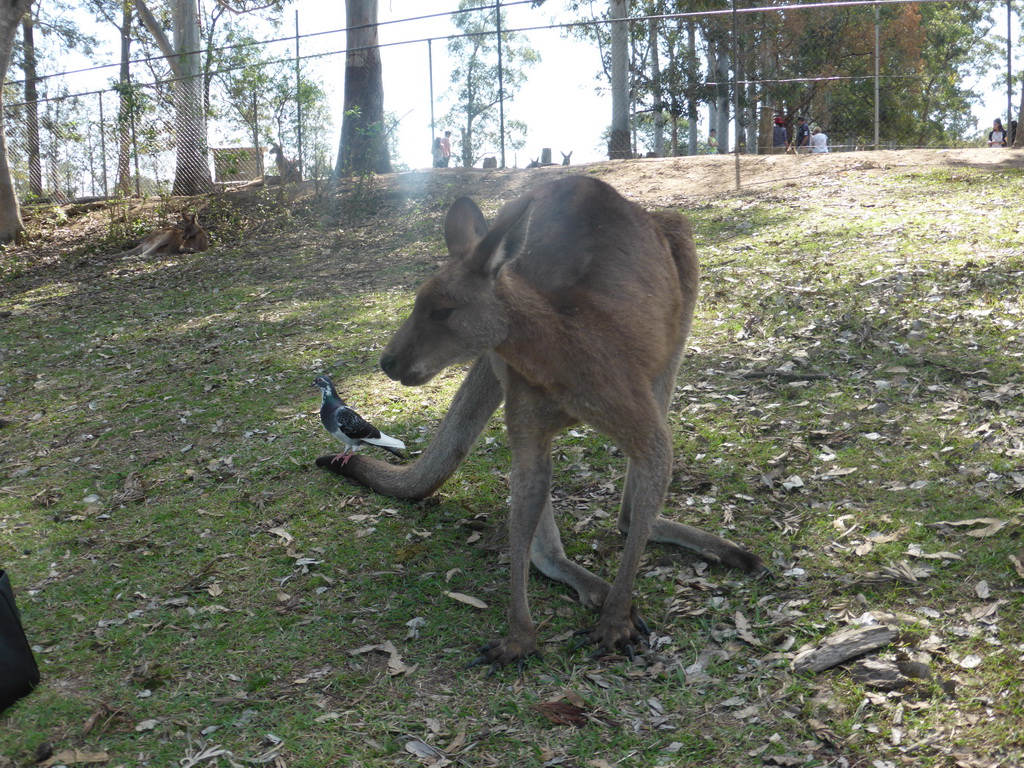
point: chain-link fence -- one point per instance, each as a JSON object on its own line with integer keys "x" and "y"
{"x": 753, "y": 78}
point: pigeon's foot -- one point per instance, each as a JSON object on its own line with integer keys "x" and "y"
{"x": 345, "y": 456}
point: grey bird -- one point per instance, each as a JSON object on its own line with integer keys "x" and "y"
{"x": 348, "y": 426}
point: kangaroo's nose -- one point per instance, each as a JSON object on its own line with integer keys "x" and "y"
{"x": 388, "y": 364}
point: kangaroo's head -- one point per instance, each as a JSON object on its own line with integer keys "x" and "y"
{"x": 458, "y": 313}
{"x": 189, "y": 224}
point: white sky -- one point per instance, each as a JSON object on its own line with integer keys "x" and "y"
{"x": 559, "y": 103}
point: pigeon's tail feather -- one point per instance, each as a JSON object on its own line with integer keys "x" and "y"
{"x": 388, "y": 443}
{"x": 385, "y": 441}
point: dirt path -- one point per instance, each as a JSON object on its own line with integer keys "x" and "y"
{"x": 661, "y": 180}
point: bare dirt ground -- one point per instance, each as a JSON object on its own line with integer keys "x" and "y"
{"x": 662, "y": 180}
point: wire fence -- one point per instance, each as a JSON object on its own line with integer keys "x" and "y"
{"x": 836, "y": 76}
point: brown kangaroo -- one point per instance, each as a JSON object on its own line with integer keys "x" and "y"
{"x": 575, "y": 305}
{"x": 288, "y": 170}
{"x": 184, "y": 237}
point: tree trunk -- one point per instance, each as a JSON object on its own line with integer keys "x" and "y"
{"x": 691, "y": 77}
{"x": 713, "y": 101}
{"x": 10, "y": 214}
{"x": 192, "y": 174}
{"x": 722, "y": 96}
{"x": 1018, "y": 140}
{"x": 751, "y": 119}
{"x": 363, "y": 147}
{"x": 124, "y": 108}
{"x": 659, "y": 113}
{"x": 618, "y": 143}
{"x": 35, "y": 165}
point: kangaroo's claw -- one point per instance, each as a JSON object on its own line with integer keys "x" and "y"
{"x": 639, "y": 623}
{"x": 608, "y": 637}
{"x": 500, "y": 653}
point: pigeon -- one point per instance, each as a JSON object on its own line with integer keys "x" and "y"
{"x": 348, "y": 426}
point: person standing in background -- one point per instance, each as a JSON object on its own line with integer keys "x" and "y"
{"x": 997, "y": 136}
{"x": 780, "y": 136}
{"x": 818, "y": 141}
{"x": 803, "y": 135}
{"x": 446, "y": 148}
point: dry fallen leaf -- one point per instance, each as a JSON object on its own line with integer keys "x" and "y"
{"x": 915, "y": 550}
{"x": 282, "y": 533}
{"x": 395, "y": 664}
{"x": 743, "y": 629}
{"x": 862, "y": 549}
{"x": 992, "y": 526}
{"x": 422, "y": 749}
{"x": 1018, "y": 565}
{"x": 75, "y": 757}
{"x": 561, "y": 712}
{"x": 467, "y": 599}
{"x": 824, "y": 733}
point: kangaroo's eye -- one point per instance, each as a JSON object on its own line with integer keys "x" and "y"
{"x": 441, "y": 314}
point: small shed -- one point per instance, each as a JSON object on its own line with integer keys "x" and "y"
{"x": 237, "y": 163}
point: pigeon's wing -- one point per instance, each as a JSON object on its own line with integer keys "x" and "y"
{"x": 354, "y": 425}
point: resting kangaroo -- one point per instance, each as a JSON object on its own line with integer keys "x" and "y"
{"x": 575, "y": 305}
{"x": 184, "y": 237}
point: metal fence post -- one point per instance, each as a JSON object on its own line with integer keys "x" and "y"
{"x": 298, "y": 90}
{"x": 103, "y": 146}
{"x": 735, "y": 93}
{"x": 501, "y": 87}
{"x": 877, "y": 53}
{"x": 1009, "y": 67}
{"x": 430, "y": 76}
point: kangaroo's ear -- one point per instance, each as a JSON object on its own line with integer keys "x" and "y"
{"x": 464, "y": 227}
{"x": 507, "y": 238}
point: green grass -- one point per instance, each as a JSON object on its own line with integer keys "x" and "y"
{"x": 225, "y": 603}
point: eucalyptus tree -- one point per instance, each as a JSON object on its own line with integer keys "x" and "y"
{"x": 48, "y": 31}
{"x": 11, "y": 225}
{"x": 131, "y": 100}
{"x": 957, "y": 49}
{"x": 929, "y": 54}
{"x": 474, "y": 91}
{"x": 183, "y": 54}
{"x": 190, "y": 59}
{"x": 363, "y": 146}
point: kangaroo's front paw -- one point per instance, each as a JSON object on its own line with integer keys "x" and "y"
{"x": 611, "y": 635}
{"x": 501, "y": 653}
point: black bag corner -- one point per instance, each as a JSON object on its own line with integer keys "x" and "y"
{"x": 18, "y": 671}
